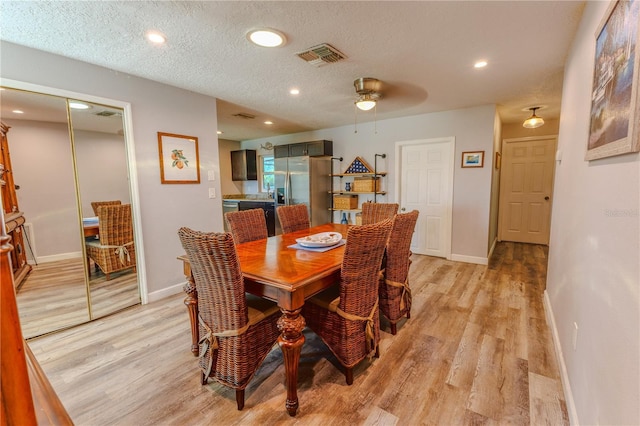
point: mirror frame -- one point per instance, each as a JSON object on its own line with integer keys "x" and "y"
{"x": 131, "y": 162}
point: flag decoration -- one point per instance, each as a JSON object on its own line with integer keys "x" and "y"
{"x": 358, "y": 166}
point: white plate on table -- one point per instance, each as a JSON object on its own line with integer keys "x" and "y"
{"x": 323, "y": 239}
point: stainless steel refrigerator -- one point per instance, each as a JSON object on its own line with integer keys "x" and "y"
{"x": 304, "y": 180}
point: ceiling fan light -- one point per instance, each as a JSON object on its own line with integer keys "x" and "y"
{"x": 366, "y": 103}
{"x": 534, "y": 121}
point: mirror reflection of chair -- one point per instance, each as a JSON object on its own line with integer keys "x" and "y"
{"x": 114, "y": 250}
{"x": 293, "y": 218}
{"x": 394, "y": 291}
{"x": 247, "y": 225}
{"x": 237, "y": 329}
{"x": 96, "y": 204}
{"x": 375, "y": 212}
{"x": 347, "y": 317}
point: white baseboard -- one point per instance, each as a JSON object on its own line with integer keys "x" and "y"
{"x": 165, "y": 292}
{"x": 470, "y": 259}
{"x": 61, "y": 256}
{"x": 564, "y": 376}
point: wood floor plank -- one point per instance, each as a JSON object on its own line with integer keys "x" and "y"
{"x": 475, "y": 351}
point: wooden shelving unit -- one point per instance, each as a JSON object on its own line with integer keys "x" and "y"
{"x": 375, "y": 174}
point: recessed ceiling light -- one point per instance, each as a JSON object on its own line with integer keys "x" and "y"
{"x": 294, "y": 91}
{"x": 480, "y": 64}
{"x": 268, "y": 123}
{"x": 78, "y": 105}
{"x": 156, "y": 37}
{"x": 266, "y": 37}
{"x": 17, "y": 111}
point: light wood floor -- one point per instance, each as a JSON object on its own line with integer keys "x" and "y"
{"x": 476, "y": 350}
{"x": 54, "y": 296}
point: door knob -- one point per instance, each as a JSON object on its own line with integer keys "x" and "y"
{"x": 546, "y": 198}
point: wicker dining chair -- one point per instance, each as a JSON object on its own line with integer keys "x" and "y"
{"x": 247, "y": 225}
{"x": 346, "y": 316}
{"x": 375, "y": 212}
{"x": 293, "y": 218}
{"x": 114, "y": 250}
{"x": 394, "y": 290}
{"x": 237, "y": 329}
{"x": 96, "y": 204}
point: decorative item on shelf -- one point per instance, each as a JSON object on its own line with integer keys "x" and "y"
{"x": 366, "y": 184}
{"x": 358, "y": 165}
{"x": 358, "y": 218}
{"x": 344, "y": 220}
{"x": 345, "y": 202}
{"x": 347, "y": 186}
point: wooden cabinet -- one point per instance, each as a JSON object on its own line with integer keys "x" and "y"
{"x": 13, "y": 217}
{"x": 312, "y": 149}
{"x": 244, "y": 165}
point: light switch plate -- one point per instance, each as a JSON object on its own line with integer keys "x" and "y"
{"x": 212, "y": 193}
{"x": 212, "y": 175}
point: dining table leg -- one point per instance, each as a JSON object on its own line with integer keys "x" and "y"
{"x": 291, "y": 339}
{"x": 191, "y": 302}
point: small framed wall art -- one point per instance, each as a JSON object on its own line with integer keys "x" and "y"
{"x": 179, "y": 162}
{"x": 473, "y": 159}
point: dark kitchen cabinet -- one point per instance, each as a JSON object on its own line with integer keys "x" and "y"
{"x": 280, "y": 151}
{"x": 302, "y": 149}
{"x": 244, "y": 165}
{"x": 269, "y": 213}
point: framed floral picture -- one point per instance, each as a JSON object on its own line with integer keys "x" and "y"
{"x": 473, "y": 159}
{"x": 615, "y": 105}
{"x": 179, "y": 162}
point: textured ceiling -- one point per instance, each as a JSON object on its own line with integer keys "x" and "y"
{"x": 423, "y": 52}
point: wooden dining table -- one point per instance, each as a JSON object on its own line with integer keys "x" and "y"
{"x": 287, "y": 276}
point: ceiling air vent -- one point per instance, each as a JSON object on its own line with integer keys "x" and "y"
{"x": 245, "y": 115}
{"x": 106, "y": 113}
{"x": 321, "y": 54}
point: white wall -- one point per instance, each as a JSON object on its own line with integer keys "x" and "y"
{"x": 156, "y": 108}
{"x": 102, "y": 168}
{"x": 226, "y": 183}
{"x": 594, "y": 255}
{"x": 473, "y": 129}
{"x": 42, "y": 166}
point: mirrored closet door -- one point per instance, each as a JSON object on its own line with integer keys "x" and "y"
{"x": 69, "y": 156}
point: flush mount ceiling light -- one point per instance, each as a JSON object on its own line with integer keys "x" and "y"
{"x": 78, "y": 105}
{"x": 367, "y": 90}
{"x": 533, "y": 121}
{"x": 266, "y": 37}
{"x": 156, "y": 37}
{"x": 480, "y": 64}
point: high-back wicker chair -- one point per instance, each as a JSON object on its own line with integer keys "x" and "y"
{"x": 347, "y": 317}
{"x": 394, "y": 291}
{"x": 293, "y": 218}
{"x": 247, "y": 225}
{"x": 375, "y": 212}
{"x": 114, "y": 250}
{"x": 237, "y": 330}
{"x": 96, "y": 204}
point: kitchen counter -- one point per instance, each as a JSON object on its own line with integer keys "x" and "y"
{"x": 247, "y": 197}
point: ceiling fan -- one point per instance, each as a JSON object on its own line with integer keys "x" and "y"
{"x": 367, "y": 89}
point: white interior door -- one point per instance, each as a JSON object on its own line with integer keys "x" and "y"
{"x": 526, "y": 189}
{"x": 425, "y": 170}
